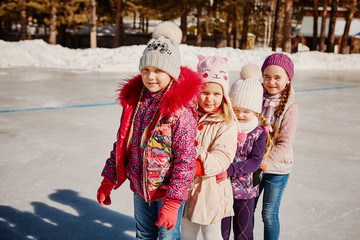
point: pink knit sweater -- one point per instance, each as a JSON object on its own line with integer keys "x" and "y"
{"x": 281, "y": 157}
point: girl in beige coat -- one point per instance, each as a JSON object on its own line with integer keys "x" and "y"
{"x": 216, "y": 143}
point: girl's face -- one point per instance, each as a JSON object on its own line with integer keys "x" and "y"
{"x": 211, "y": 97}
{"x": 154, "y": 79}
{"x": 244, "y": 115}
{"x": 275, "y": 79}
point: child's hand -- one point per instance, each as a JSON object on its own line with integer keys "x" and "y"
{"x": 221, "y": 177}
{"x": 103, "y": 194}
{"x": 168, "y": 213}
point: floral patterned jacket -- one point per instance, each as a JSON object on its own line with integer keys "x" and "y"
{"x": 247, "y": 160}
{"x": 164, "y": 165}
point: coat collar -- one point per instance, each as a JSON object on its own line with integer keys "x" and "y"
{"x": 182, "y": 92}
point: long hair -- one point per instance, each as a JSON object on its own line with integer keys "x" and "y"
{"x": 269, "y": 141}
{"x": 279, "y": 110}
{"x": 227, "y": 113}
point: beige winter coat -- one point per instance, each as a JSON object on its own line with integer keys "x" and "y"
{"x": 208, "y": 201}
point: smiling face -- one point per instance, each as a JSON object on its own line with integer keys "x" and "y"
{"x": 275, "y": 79}
{"x": 154, "y": 79}
{"x": 211, "y": 97}
{"x": 244, "y": 115}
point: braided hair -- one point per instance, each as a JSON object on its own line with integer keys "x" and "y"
{"x": 279, "y": 111}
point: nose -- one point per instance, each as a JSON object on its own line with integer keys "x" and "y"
{"x": 208, "y": 98}
{"x": 151, "y": 75}
{"x": 272, "y": 81}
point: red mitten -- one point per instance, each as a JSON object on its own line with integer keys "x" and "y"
{"x": 103, "y": 194}
{"x": 199, "y": 168}
{"x": 168, "y": 213}
{"x": 221, "y": 177}
{"x": 263, "y": 167}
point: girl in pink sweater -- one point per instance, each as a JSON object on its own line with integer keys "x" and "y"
{"x": 281, "y": 111}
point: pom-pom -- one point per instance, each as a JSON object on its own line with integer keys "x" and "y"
{"x": 252, "y": 71}
{"x": 241, "y": 137}
{"x": 266, "y": 129}
{"x": 170, "y": 31}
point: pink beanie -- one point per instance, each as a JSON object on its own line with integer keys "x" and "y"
{"x": 281, "y": 60}
{"x": 215, "y": 69}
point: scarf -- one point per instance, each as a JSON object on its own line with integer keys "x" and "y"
{"x": 269, "y": 105}
{"x": 249, "y": 126}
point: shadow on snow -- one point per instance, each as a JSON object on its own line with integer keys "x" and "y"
{"x": 92, "y": 221}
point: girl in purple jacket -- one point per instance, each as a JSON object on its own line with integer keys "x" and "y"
{"x": 253, "y": 142}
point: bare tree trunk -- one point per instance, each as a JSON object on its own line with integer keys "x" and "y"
{"x": 23, "y": 33}
{"x": 286, "y": 44}
{"x": 116, "y": 42}
{"x": 331, "y": 36}
{"x": 323, "y": 25}
{"x": 134, "y": 20}
{"x": 276, "y": 25}
{"x": 229, "y": 27}
{"x": 246, "y": 17}
{"x": 234, "y": 28}
{"x": 315, "y": 26}
{"x": 93, "y": 42}
{"x": 198, "y": 25}
{"x": 349, "y": 16}
{"x": 53, "y": 30}
{"x": 183, "y": 24}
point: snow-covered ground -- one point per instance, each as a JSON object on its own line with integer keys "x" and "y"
{"x": 37, "y": 53}
{"x": 58, "y": 121}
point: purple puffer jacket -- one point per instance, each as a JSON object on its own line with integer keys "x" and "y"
{"x": 247, "y": 160}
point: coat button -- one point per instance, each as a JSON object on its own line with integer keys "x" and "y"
{"x": 200, "y": 127}
{"x": 196, "y": 143}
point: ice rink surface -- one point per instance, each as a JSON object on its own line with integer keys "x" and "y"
{"x": 57, "y": 129}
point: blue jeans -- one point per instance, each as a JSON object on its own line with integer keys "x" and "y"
{"x": 273, "y": 186}
{"x": 146, "y": 215}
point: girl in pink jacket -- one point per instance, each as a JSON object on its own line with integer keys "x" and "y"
{"x": 155, "y": 147}
{"x": 281, "y": 111}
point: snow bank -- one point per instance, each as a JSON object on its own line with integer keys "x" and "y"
{"x": 37, "y": 53}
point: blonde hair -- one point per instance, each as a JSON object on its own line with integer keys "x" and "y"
{"x": 269, "y": 141}
{"x": 227, "y": 113}
{"x": 279, "y": 110}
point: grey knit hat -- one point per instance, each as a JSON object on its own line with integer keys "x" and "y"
{"x": 163, "y": 50}
{"x": 247, "y": 92}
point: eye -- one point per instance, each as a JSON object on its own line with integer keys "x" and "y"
{"x": 145, "y": 69}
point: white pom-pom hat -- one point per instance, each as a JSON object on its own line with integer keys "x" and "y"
{"x": 162, "y": 50}
{"x": 247, "y": 92}
{"x": 250, "y": 70}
